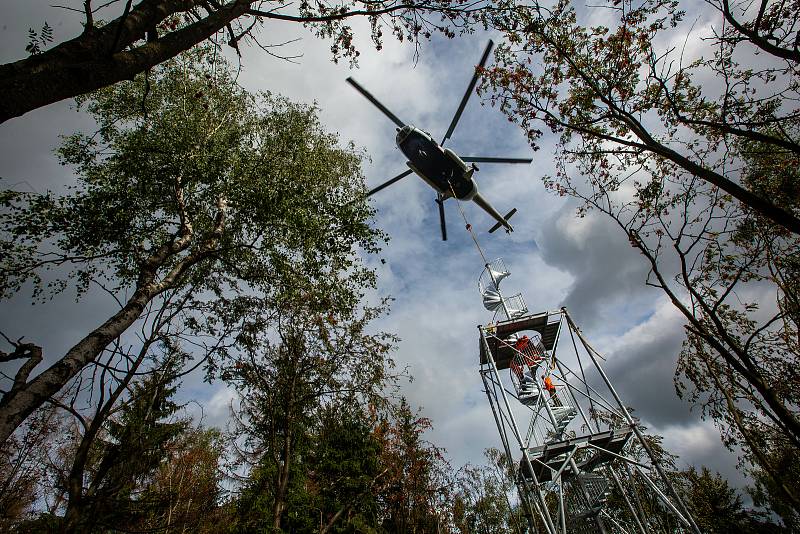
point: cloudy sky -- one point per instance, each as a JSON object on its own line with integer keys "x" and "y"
{"x": 555, "y": 258}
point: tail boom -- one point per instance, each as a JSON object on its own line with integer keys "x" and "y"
{"x": 488, "y": 208}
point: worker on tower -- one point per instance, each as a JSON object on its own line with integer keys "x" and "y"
{"x": 548, "y": 385}
{"x": 532, "y": 352}
{"x": 526, "y": 355}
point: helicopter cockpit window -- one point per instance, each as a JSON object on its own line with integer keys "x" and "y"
{"x": 414, "y": 145}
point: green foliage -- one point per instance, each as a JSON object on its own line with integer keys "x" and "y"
{"x": 765, "y": 492}
{"x": 264, "y": 195}
{"x": 762, "y": 251}
{"x": 128, "y": 457}
{"x": 714, "y": 504}
{"x": 350, "y": 471}
{"x": 37, "y": 41}
{"x": 482, "y": 498}
{"x": 717, "y": 508}
{"x": 300, "y": 421}
{"x": 193, "y": 197}
{"x": 107, "y": 52}
{"x": 345, "y": 467}
{"x": 252, "y": 509}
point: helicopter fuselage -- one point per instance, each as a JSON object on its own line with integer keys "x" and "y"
{"x": 441, "y": 168}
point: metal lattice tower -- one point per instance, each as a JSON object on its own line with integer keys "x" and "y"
{"x": 581, "y": 445}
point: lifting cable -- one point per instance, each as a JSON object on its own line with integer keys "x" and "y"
{"x": 467, "y": 225}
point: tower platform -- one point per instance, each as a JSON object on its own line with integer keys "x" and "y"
{"x": 550, "y": 457}
{"x": 546, "y": 324}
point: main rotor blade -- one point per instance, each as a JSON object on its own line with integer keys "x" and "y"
{"x": 375, "y": 101}
{"x": 472, "y": 83}
{"x": 387, "y": 183}
{"x": 482, "y": 159}
{"x": 441, "y": 217}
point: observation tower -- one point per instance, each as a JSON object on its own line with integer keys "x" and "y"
{"x": 580, "y": 461}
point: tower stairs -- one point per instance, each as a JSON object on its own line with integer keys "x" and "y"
{"x": 563, "y": 416}
{"x": 586, "y": 494}
{"x": 592, "y": 451}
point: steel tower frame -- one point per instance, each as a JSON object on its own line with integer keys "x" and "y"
{"x": 581, "y": 442}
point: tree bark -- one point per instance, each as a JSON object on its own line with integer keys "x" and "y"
{"x": 283, "y": 480}
{"x": 19, "y": 403}
{"x": 97, "y": 58}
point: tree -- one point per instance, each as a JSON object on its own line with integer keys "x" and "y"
{"x": 345, "y": 471}
{"x": 765, "y": 491}
{"x": 132, "y": 451}
{"x": 483, "y": 500}
{"x": 416, "y": 495}
{"x": 109, "y": 491}
{"x": 699, "y": 176}
{"x": 206, "y": 196}
{"x": 313, "y": 367}
{"x": 153, "y": 31}
{"x": 144, "y": 469}
{"x": 186, "y": 488}
{"x": 26, "y": 467}
{"x": 619, "y": 102}
{"x": 715, "y": 506}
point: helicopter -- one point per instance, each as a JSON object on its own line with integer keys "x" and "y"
{"x": 441, "y": 168}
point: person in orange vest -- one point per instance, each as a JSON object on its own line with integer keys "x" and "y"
{"x": 530, "y": 352}
{"x": 517, "y": 362}
{"x": 548, "y": 385}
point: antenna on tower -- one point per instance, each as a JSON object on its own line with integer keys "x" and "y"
{"x": 580, "y": 444}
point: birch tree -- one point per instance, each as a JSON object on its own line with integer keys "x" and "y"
{"x": 191, "y": 191}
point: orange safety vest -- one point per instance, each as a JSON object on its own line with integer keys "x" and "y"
{"x": 548, "y": 384}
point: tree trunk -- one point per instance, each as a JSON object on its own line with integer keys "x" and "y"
{"x": 283, "y": 480}
{"x": 97, "y": 58}
{"x": 18, "y": 404}
{"x": 72, "y": 516}
{"x": 283, "y": 472}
